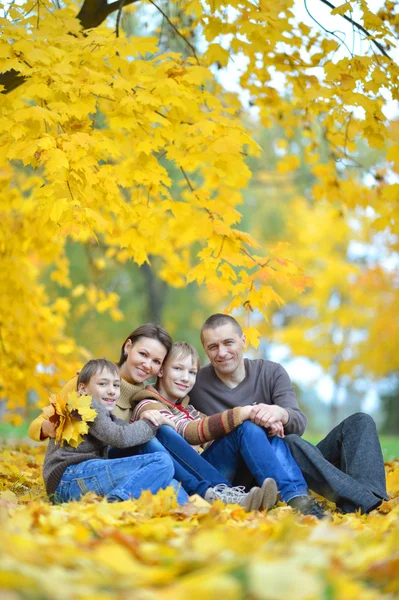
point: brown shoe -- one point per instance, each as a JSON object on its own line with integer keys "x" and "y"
{"x": 269, "y": 494}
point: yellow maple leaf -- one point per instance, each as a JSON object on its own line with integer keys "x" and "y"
{"x": 252, "y": 334}
{"x": 71, "y": 415}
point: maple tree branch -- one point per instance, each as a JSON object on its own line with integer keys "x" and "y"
{"x": 94, "y": 12}
{"x": 360, "y": 28}
{"x": 176, "y": 30}
{"x": 119, "y": 15}
{"x": 91, "y": 15}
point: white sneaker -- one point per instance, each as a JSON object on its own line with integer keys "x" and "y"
{"x": 253, "y": 500}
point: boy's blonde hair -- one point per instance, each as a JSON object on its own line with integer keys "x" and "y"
{"x": 182, "y": 350}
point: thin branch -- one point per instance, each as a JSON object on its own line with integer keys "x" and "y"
{"x": 326, "y": 30}
{"x": 187, "y": 179}
{"x": 192, "y": 189}
{"x": 118, "y": 17}
{"x": 221, "y": 247}
{"x": 176, "y": 30}
{"x": 360, "y": 28}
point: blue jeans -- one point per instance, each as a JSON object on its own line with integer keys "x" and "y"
{"x": 249, "y": 444}
{"x": 195, "y": 474}
{"x": 119, "y": 479}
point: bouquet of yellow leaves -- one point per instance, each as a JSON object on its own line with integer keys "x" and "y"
{"x": 71, "y": 416}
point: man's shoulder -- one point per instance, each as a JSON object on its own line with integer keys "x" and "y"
{"x": 206, "y": 372}
{"x": 258, "y": 365}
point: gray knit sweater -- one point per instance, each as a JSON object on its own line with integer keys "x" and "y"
{"x": 106, "y": 430}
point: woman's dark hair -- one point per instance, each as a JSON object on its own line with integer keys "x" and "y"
{"x": 94, "y": 366}
{"x": 149, "y": 330}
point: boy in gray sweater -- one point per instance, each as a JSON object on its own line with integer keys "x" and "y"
{"x": 69, "y": 472}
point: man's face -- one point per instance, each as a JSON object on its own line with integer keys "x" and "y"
{"x": 224, "y": 347}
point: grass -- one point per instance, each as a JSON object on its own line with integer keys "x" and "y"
{"x": 389, "y": 443}
{"x": 12, "y": 432}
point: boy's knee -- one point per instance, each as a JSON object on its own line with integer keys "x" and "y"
{"x": 165, "y": 432}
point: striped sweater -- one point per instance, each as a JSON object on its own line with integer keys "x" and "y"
{"x": 192, "y": 425}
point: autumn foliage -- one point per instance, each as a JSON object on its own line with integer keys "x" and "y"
{"x": 117, "y": 140}
{"x": 154, "y": 549}
{"x": 63, "y": 176}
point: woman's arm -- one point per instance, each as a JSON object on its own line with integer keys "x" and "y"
{"x": 35, "y": 429}
{"x": 41, "y": 428}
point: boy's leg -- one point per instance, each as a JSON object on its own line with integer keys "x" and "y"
{"x": 346, "y": 466}
{"x": 118, "y": 479}
{"x": 250, "y": 443}
{"x": 194, "y": 473}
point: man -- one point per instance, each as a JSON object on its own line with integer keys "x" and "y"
{"x": 346, "y": 467}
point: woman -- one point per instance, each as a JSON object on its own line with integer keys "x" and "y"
{"x": 142, "y": 355}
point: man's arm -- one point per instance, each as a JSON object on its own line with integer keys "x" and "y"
{"x": 284, "y": 407}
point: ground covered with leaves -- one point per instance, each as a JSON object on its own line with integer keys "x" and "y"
{"x": 153, "y": 549}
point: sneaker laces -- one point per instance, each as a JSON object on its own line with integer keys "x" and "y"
{"x": 230, "y": 495}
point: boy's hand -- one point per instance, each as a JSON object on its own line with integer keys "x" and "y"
{"x": 245, "y": 412}
{"x": 47, "y": 430}
{"x": 157, "y": 418}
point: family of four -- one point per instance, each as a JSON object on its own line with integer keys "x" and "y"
{"x": 242, "y": 413}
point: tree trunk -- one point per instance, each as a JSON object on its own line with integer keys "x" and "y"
{"x": 156, "y": 294}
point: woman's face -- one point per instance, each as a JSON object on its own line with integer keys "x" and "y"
{"x": 144, "y": 359}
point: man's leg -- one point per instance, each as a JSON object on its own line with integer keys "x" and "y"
{"x": 250, "y": 443}
{"x": 118, "y": 479}
{"x": 346, "y": 466}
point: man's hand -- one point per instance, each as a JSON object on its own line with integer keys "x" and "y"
{"x": 157, "y": 418}
{"x": 266, "y": 415}
{"x": 277, "y": 429}
{"x": 47, "y": 430}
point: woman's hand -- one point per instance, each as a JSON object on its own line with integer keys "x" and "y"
{"x": 157, "y": 418}
{"x": 47, "y": 430}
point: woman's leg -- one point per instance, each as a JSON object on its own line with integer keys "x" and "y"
{"x": 118, "y": 479}
{"x": 250, "y": 443}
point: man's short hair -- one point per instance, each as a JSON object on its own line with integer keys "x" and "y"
{"x": 94, "y": 366}
{"x": 218, "y": 320}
